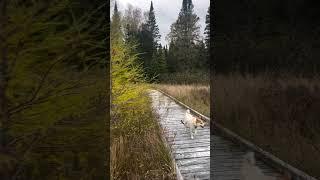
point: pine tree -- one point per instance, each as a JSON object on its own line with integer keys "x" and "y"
{"x": 172, "y": 63}
{"x": 184, "y": 34}
{"x": 165, "y": 51}
{"x": 162, "y": 64}
{"x": 207, "y": 29}
{"x": 202, "y": 57}
{"x": 153, "y": 27}
{"x": 207, "y": 37}
{"x": 149, "y": 41}
{"x": 116, "y": 33}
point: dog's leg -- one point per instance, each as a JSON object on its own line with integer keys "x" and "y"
{"x": 191, "y": 132}
{"x": 185, "y": 126}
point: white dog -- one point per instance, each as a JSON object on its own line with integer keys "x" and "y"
{"x": 192, "y": 123}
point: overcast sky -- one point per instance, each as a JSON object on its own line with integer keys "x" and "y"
{"x": 167, "y": 12}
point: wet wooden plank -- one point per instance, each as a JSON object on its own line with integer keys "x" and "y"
{"x": 181, "y": 146}
{"x": 192, "y": 156}
{"x": 192, "y": 149}
{"x": 192, "y": 161}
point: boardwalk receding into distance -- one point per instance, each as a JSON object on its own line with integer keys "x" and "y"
{"x": 192, "y": 156}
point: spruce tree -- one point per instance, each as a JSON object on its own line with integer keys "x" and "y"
{"x": 185, "y": 34}
{"x": 153, "y": 27}
{"x": 165, "y": 52}
{"x": 116, "y": 33}
{"x": 171, "y": 58}
{"x": 202, "y": 57}
{"x": 207, "y": 29}
{"x": 162, "y": 64}
{"x": 149, "y": 40}
{"x": 207, "y": 37}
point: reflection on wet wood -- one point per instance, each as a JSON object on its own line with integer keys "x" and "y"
{"x": 192, "y": 156}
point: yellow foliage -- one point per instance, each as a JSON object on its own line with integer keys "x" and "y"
{"x": 129, "y": 100}
{"x": 137, "y": 151}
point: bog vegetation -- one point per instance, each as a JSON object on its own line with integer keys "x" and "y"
{"x": 194, "y": 95}
{"x": 266, "y": 80}
{"x": 137, "y": 149}
{"x": 273, "y": 112}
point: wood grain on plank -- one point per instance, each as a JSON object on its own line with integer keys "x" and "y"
{"x": 192, "y": 156}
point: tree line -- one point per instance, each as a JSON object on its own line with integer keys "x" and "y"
{"x": 186, "y": 51}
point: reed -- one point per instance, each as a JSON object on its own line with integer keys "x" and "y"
{"x": 279, "y": 114}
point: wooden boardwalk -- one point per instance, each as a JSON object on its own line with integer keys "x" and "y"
{"x": 192, "y": 156}
{"x": 227, "y": 161}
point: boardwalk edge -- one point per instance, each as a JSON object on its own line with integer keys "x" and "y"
{"x": 268, "y": 157}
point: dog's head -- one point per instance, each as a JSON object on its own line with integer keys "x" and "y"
{"x": 200, "y": 122}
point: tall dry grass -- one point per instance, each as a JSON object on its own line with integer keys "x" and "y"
{"x": 194, "y": 95}
{"x": 185, "y": 78}
{"x": 140, "y": 157}
{"x": 137, "y": 149}
{"x": 279, "y": 114}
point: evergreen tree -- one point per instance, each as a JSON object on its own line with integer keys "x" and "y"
{"x": 207, "y": 38}
{"x": 207, "y": 29}
{"x": 145, "y": 40}
{"x": 149, "y": 38}
{"x": 184, "y": 34}
{"x": 165, "y": 52}
{"x": 116, "y": 24}
{"x": 202, "y": 57}
{"x": 153, "y": 27}
{"x": 171, "y": 59}
{"x": 161, "y": 61}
